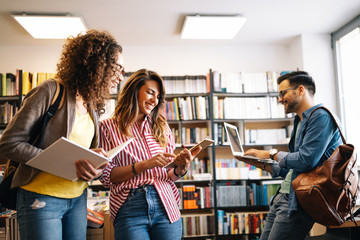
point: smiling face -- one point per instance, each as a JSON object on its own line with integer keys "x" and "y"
{"x": 148, "y": 98}
{"x": 288, "y": 97}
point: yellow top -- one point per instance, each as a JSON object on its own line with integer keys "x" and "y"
{"x": 45, "y": 183}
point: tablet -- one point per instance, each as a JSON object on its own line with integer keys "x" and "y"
{"x": 203, "y": 143}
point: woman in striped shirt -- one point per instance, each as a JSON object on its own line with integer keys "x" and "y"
{"x": 143, "y": 197}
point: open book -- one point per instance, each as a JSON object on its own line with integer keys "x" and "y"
{"x": 204, "y": 144}
{"x": 59, "y": 158}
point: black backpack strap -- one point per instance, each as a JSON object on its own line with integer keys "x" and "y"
{"x": 37, "y": 133}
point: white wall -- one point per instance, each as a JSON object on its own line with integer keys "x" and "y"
{"x": 311, "y": 53}
{"x": 318, "y": 61}
{"x": 29, "y": 58}
{"x": 198, "y": 60}
{"x": 175, "y": 60}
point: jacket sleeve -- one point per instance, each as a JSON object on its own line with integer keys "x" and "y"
{"x": 318, "y": 135}
{"x": 14, "y": 141}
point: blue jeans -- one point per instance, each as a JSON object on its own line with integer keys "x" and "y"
{"x": 279, "y": 225}
{"x": 143, "y": 217}
{"x": 44, "y": 217}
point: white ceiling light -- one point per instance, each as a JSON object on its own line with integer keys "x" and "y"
{"x": 212, "y": 27}
{"x": 51, "y": 27}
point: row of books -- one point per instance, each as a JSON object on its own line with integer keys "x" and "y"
{"x": 243, "y": 82}
{"x": 195, "y": 197}
{"x": 245, "y": 194}
{"x": 198, "y": 167}
{"x": 190, "y": 136}
{"x": 7, "y": 111}
{"x": 10, "y": 83}
{"x": 233, "y": 169}
{"x": 97, "y": 194}
{"x": 32, "y": 79}
{"x": 267, "y": 136}
{"x": 240, "y": 222}
{"x": 189, "y": 108}
{"x": 198, "y": 225}
{"x": 186, "y": 84}
{"x": 247, "y": 108}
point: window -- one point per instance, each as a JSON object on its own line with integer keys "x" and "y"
{"x": 346, "y": 47}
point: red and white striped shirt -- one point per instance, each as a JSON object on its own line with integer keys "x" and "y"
{"x": 143, "y": 147}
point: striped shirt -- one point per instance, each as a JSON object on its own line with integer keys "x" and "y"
{"x": 143, "y": 147}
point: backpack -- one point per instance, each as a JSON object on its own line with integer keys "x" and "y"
{"x": 328, "y": 193}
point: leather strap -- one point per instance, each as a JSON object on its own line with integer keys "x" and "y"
{"x": 332, "y": 116}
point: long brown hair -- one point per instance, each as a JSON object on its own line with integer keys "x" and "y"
{"x": 87, "y": 65}
{"x": 127, "y": 107}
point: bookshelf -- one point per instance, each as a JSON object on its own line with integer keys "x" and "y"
{"x": 249, "y": 101}
{"x": 196, "y": 107}
{"x": 239, "y": 193}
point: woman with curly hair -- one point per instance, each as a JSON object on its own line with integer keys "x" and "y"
{"x": 143, "y": 197}
{"x": 50, "y": 207}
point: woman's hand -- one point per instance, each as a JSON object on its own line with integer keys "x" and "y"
{"x": 85, "y": 171}
{"x": 183, "y": 160}
{"x": 159, "y": 160}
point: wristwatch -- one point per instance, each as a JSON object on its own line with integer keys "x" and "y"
{"x": 273, "y": 152}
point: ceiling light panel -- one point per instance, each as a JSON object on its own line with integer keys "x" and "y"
{"x": 212, "y": 27}
{"x": 51, "y": 27}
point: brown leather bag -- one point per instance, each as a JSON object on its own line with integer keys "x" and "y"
{"x": 328, "y": 193}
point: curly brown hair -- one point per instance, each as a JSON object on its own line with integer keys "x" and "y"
{"x": 87, "y": 65}
{"x": 127, "y": 107}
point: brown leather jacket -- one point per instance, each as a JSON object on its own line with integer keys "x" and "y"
{"x": 14, "y": 141}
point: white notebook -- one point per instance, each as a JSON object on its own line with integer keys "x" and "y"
{"x": 59, "y": 158}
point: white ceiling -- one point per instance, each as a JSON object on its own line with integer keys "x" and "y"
{"x": 159, "y": 22}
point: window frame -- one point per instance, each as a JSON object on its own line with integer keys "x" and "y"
{"x": 335, "y": 37}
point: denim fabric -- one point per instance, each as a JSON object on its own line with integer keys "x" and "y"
{"x": 143, "y": 217}
{"x": 43, "y": 217}
{"x": 280, "y": 226}
{"x": 316, "y": 140}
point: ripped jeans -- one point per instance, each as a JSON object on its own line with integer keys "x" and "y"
{"x": 44, "y": 217}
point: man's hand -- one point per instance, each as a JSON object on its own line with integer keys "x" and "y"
{"x": 258, "y": 153}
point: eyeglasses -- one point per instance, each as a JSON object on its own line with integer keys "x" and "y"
{"x": 283, "y": 92}
{"x": 120, "y": 69}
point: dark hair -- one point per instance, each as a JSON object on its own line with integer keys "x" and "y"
{"x": 127, "y": 107}
{"x": 87, "y": 65}
{"x": 299, "y": 78}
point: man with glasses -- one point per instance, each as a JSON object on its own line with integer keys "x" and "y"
{"x": 312, "y": 142}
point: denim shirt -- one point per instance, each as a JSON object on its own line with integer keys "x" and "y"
{"x": 317, "y": 139}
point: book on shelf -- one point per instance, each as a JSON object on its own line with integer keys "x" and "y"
{"x": 94, "y": 219}
{"x": 185, "y": 84}
{"x": 194, "y": 197}
{"x": 59, "y": 158}
{"x": 198, "y": 225}
{"x": 246, "y": 195}
{"x": 8, "y": 84}
{"x": 189, "y": 108}
{"x": 7, "y": 111}
{"x": 245, "y": 82}
{"x": 240, "y": 222}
